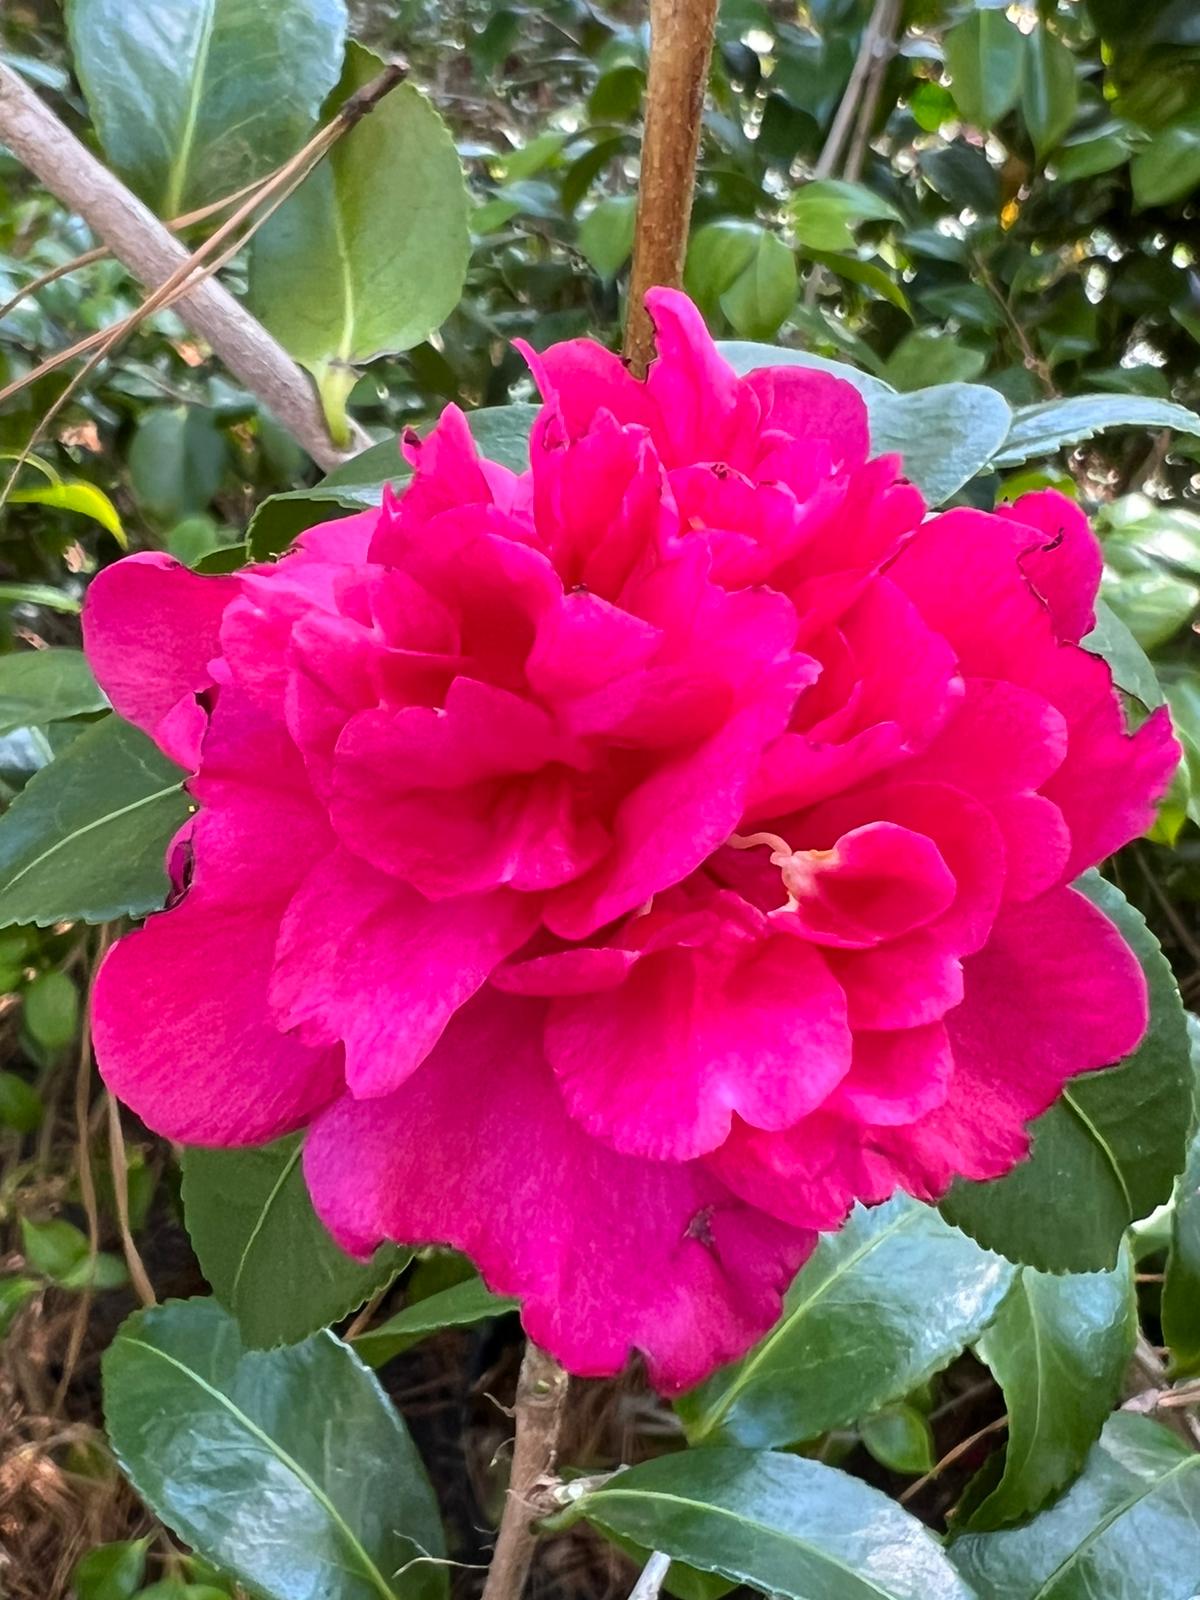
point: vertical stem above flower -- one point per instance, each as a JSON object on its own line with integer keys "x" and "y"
{"x": 541, "y": 1397}
{"x": 681, "y": 41}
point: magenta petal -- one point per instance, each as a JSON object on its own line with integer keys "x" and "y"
{"x": 809, "y": 405}
{"x": 370, "y": 962}
{"x": 609, "y": 1253}
{"x": 878, "y": 882}
{"x": 702, "y": 407}
{"x": 896, "y": 1077}
{"x": 183, "y": 1034}
{"x": 1065, "y": 563}
{"x": 667, "y": 826}
{"x": 150, "y": 628}
{"x": 1082, "y": 1006}
{"x": 903, "y": 984}
{"x": 583, "y": 380}
{"x": 659, "y": 1066}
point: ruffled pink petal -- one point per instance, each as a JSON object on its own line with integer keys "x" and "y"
{"x": 1082, "y": 1005}
{"x": 583, "y": 381}
{"x": 1065, "y": 563}
{"x": 966, "y": 564}
{"x": 904, "y": 984}
{"x": 659, "y": 1066}
{"x": 150, "y": 628}
{"x": 669, "y": 824}
{"x": 184, "y": 1037}
{"x": 703, "y": 411}
{"x": 967, "y": 839}
{"x": 369, "y": 962}
{"x": 877, "y": 882}
{"x": 608, "y": 1253}
{"x": 182, "y": 1028}
{"x": 896, "y": 1077}
{"x": 464, "y": 797}
{"x": 808, "y": 1176}
{"x": 599, "y": 504}
{"x": 813, "y": 407}
{"x": 1001, "y": 739}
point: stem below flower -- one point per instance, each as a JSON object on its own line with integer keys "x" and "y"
{"x": 540, "y": 1403}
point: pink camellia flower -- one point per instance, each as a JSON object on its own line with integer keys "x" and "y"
{"x": 622, "y": 867}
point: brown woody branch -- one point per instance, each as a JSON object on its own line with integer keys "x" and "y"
{"x": 146, "y": 247}
{"x": 681, "y": 41}
{"x": 541, "y": 1398}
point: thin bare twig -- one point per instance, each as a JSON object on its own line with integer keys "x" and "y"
{"x": 70, "y": 172}
{"x": 87, "y": 1178}
{"x": 654, "y": 1574}
{"x": 195, "y": 270}
{"x": 865, "y": 81}
{"x": 1148, "y": 1375}
{"x": 951, "y": 1457}
{"x": 138, "y": 1275}
{"x": 681, "y": 41}
{"x": 875, "y": 35}
{"x": 541, "y": 1399}
{"x": 1033, "y": 362}
{"x": 102, "y": 252}
{"x": 883, "y": 48}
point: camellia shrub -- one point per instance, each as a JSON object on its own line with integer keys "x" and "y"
{"x": 688, "y": 807}
{"x": 629, "y": 884}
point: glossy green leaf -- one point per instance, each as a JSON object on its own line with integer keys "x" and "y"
{"x": 501, "y": 432}
{"x": 855, "y": 1331}
{"x": 83, "y": 499}
{"x": 744, "y": 271}
{"x": 1087, "y": 158}
{"x": 40, "y": 594}
{"x": 1117, "y": 1137}
{"x": 15, "y": 1289}
{"x": 368, "y": 256}
{"x": 606, "y": 233}
{"x": 457, "y": 1307}
{"x": 289, "y": 1468}
{"x": 177, "y": 460}
{"x": 1042, "y": 429}
{"x": 779, "y": 1523}
{"x": 266, "y": 1254}
{"x": 825, "y": 212}
{"x": 1059, "y": 1349}
{"x": 20, "y": 1105}
{"x": 59, "y": 1251}
{"x": 85, "y": 839}
{"x": 761, "y": 297}
{"x": 867, "y": 273}
{"x": 51, "y": 1010}
{"x": 1153, "y": 604}
{"x": 1125, "y": 1530}
{"x": 1168, "y": 168}
{"x": 923, "y": 358}
{"x": 946, "y": 434}
{"x": 111, "y": 1571}
{"x": 985, "y": 55}
{"x": 1181, "y": 1286}
{"x": 931, "y": 104}
{"x": 1049, "y": 89}
{"x": 192, "y": 99}
{"x": 39, "y": 686}
{"x": 1132, "y": 669}
{"x": 900, "y": 1438}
